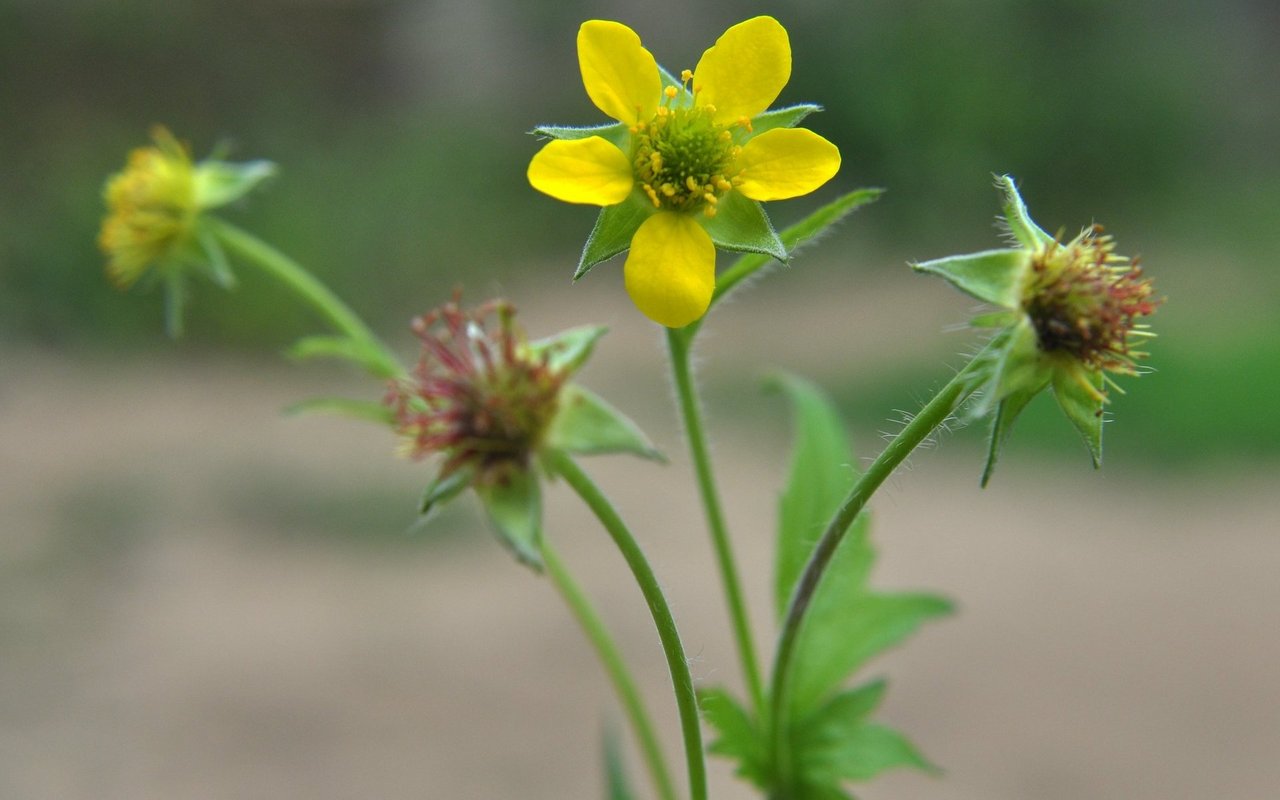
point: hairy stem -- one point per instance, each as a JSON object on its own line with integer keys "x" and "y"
{"x": 249, "y": 247}
{"x": 677, "y": 663}
{"x": 679, "y": 345}
{"x": 616, "y": 667}
{"x": 934, "y": 414}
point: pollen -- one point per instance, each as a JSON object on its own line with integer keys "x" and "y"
{"x": 683, "y": 160}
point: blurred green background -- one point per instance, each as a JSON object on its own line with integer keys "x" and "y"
{"x": 399, "y": 128}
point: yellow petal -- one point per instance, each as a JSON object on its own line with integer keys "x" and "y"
{"x": 671, "y": 270}
{"x": 592, "y": 171}
{"x": 745, "y": 71}
{"x": 786, "y": 162}
{"x": 621, "y": 77}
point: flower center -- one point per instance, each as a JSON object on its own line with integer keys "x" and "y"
{"x": 683, "y": 160}
{"x": 478, "y": 397}
{"x": 1084, "y": 301}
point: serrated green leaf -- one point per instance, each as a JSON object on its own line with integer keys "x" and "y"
{"x": 220, "y": 182}
{"x": 741, "y": 225}
{"x": 993, "y": 276}
{"x": 1078, "y": 392}
{"x": 444, "y": 488}
{"x": 367, "y": 410}
{"x": 567, "y": 351}
{"x": 1024, "y": 229}
{"x": 794, "y": 237}
{"x": 821, "y": 473}
{"x": 838, "y": 750}
{"x": 848, "y": 625}
{"x": 617, "y": 786}
{"x": 514, "y": 507}
{"x": 614, "y": 132}
{"x": 738, "y": 735}
{"x": 787, "y": 117}
{"x": 612, "y": 232}
{"x": 586, "y": 424}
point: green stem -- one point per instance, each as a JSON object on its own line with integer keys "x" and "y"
{"x": 381, "y": 360}
{"x": 936, "y": 412}
{"x": 679, "y": 345}
{"x": 677, "y": 663}
{"x": 616, "y": 667}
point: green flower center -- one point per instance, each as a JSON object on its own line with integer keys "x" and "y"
{"x": 683, "y": 160}
{"x": 1084, "y": 300}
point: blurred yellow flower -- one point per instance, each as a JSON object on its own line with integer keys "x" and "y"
{"x": 151, "y": 207}
{"x": 689, "y": 146}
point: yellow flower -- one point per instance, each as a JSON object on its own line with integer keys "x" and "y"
{"x": 151, "y": 207}
{"x": 155, "y": 205}
{"x": 688, "y": 149}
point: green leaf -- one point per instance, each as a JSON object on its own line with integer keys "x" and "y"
{"x": 444, "y": 488}
{"x": 220, "y": 182}
{"x": 795, "y": 237}
{"x": 613, "y": 231}
{"x": 1078, "y": 392}
{"x": 993, "y": 276}
{"x": 1007, "y": 412}
{"x": 787, "y": 117}
{"x": 741, "y": 225}
{"x": 615, "y": 132}
{"x": 367, "y": 410}
{"x": 820, "y": 475}
{"x": 567, "y": 351}
{"x": 618, "y": 787}
{"x": 848, "y": 625}
{"x": 837, "y": 750}
{"x": 586, "y": 424}
{"x": 1025, "y": 231}
{"x": 514, "y": 506}
{"x": 738, "y": 735}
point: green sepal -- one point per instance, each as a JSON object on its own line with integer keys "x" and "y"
{"x": 1079, "y": 392}
{"x": 1007, "y": 411}
{"x": 1015, "y": 365}
{"x": 995, "y": 319}
{"x": 794, "y": 237}
{"x": 617, "y": 785}
{"x": 220, "y": 182}
{"x": 615, "y": 132}
{"x": 568, "y": 350}
{"x": 585, "y": 424}
{"x": 821, "y": 473}
{"x": 613, "y": 231}
{"x": 1024, "y": 230}
{"x": 339, "y": 347}
{"x": 445, "y": 488}
{"x": 741, "y": 225}
{"x": 993, "y": 276}
{"x": 514, "y": 506}
{"x": 214, "y": 261}
{"x": 787, "y": 117}
{"x": 366, "y": 410}
{"x": 739, "y": 737}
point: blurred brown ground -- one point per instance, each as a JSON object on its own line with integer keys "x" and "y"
{"x": 200, "y": 598}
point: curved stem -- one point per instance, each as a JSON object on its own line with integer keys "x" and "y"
{"x": 679, "y": 345}
{"x": 943, "y": 404}
{"x": 381, "y": 361}
{"x": 616, "y": 667}
{"x": 677, "y": 663}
